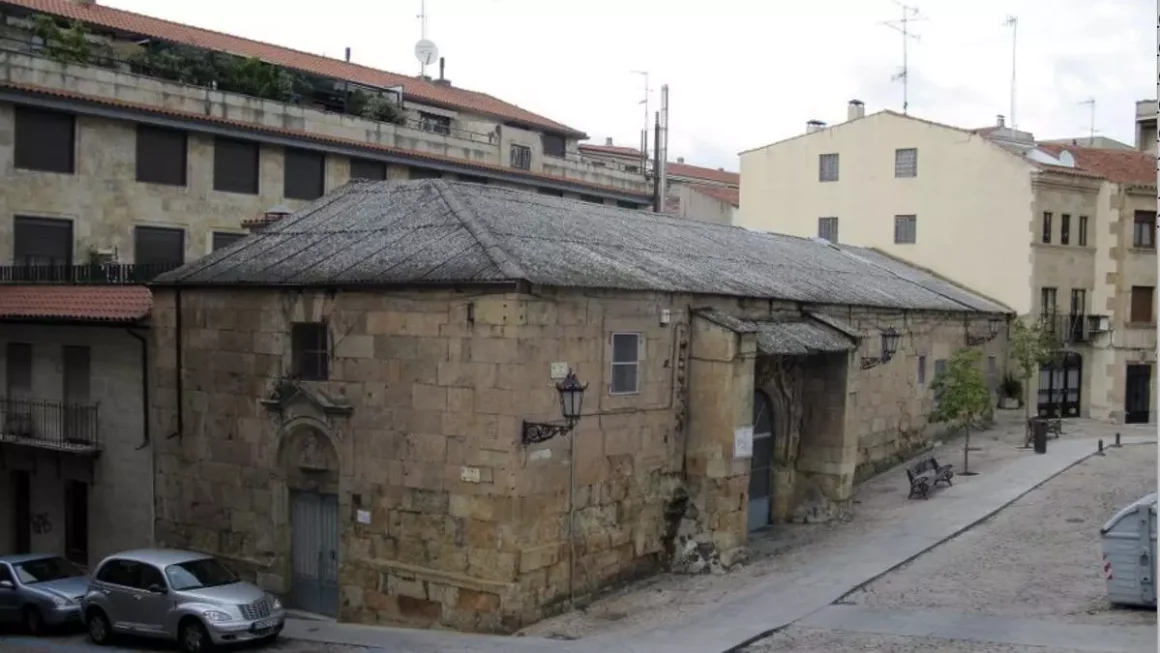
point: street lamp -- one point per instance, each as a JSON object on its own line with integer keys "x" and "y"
{"x": 889, "y": 344}
{"x": 571, "y": 404}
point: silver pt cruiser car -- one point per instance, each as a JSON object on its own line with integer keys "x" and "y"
{"x": 40, "y": 591}
{"x": 177, "y": 595}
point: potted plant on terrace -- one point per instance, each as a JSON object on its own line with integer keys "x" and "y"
{"x": 1010, "y": 392}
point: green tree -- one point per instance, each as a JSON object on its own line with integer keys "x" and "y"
{"x": 1030, "y": 346}
{"x": 962, "y": 395}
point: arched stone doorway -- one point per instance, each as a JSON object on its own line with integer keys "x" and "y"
{"x": 310, "y": 467}
{"x": 1060, "y": 384}
{"x": 761, "y": 464}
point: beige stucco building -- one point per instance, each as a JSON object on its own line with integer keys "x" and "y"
{"x": 396, "y": 433}
{"x": 1046, "y": 229}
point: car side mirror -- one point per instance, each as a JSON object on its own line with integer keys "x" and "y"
{"x": 157, "y": 589}
{"x": 7, "y": 585}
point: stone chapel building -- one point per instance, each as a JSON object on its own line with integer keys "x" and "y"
{"x": 349, "y": 391}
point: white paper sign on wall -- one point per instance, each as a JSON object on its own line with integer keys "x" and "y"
{"x": 364, "y": 516}
{"x": 559, "y": 371}
{"x": 743, "y": 442}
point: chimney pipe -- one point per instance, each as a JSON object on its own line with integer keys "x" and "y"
{"x": 855, "y": 110}
{"x": 348, "y": 55}
{"x": 608, "y": 141}
{"x": 442, "y": 81}
{"x": 441, "y": 62}
{"x": 1000, "y": 121}
{"x": 680, "y": 159}
{"x": 815, "y": 126}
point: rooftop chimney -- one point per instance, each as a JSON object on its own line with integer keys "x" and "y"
{"x": 680, "y": 159}
{"x": 855, "y": 110}
{"x": 1000, "y": 121}
{"x": 815, "y": 126}
{"x": 86, "y": 3}
{"x": 442, "y": 81}
{"x": 608, "y": 141}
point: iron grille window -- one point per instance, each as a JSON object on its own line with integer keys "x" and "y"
{"x": 554, "y": 145}
{"x": 367, "y": 169}
{"x": 521, "y": 156}
{"x": 1083, "y": 229}
{"x": 625, "y": 363}
{"x": 827, "y": 167}
{"x": 905, "y": 229}
{"x": 1047, "y": 226}
{"x": 309, "y": 343}
{"x": 940, "y": 368}
{"x": 161, "y": 155}
{"x": 235, "y": 166}
{"x": 425, "y": 173}
{"x": 1064, "y": 229}
{"x": 550, "y": 191}
{"x": 223, "y": 239}
{"x": 625, "y": 204}
{"x": 1078, "y": 301}
{"x": 1144, "y": 229}
{"x": 436, "y": 124}
{"x": 159, "y": 246}
{"x": 922, "y": 370}
{"x": 304, "y": 174}
{"x": 906, "y": 162}
{"x": 1142, "y": 299}
{"x": 42, "y": 241}
{"x": 44, "y": 141}
{"x": 592, "y": 199}
{"x": 1047, "y": 301}
{"x": 828, "y": 229}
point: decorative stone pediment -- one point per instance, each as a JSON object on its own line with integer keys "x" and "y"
{"x": 292, "y": 396}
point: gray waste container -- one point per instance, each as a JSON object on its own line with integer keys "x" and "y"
{"x": 1129, "y": 547}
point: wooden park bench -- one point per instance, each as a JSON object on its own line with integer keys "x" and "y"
{"x": 1054, "y": 428}
{"x": 926, "y": 474}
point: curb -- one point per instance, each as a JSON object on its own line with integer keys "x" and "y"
{"x": 737, "y": 648}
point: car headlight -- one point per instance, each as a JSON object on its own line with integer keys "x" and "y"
{"x": 277, "y": 605}
{"x": 216, "y": 615}
{"x": 60, "y": 601}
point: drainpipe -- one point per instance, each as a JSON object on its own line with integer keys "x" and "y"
{"x": 144, "y": 387}
{"x": 180, "y": 359}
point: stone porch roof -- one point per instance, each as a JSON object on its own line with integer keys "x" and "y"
{"x": 435, "y": 232}
{"x": 793, "y": 337}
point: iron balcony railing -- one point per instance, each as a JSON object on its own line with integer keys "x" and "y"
{"x": 87, "y": 273}
{"x": 1075, "y": 327}
{"x": 58, "y": 425}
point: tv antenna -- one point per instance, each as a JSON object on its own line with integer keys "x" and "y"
{"x": 425, "y": 50}
{"x": 902, "y": 26}
{"x": 1013, "y": 23}
{"x": 1091, "y": 103}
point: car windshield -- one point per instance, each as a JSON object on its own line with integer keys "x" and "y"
{"x": 45, "y": 569}
{"x": 196, "y": 574}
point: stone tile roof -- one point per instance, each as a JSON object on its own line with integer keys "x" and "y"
{"x": 1115, "y": 165}
{"x": 307, "y": 136}
{"x": 797, "y": 337}
{"x": 675, "y": 168}
{"x": 75, "y": 303}
{"x": 422, "y": 90}
{"x": 440, "y": 232}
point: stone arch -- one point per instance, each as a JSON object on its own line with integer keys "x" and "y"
{"x": 308, "y": 456}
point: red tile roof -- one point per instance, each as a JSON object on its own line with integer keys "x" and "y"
{"x": 725, "y": 194}
{"x": 75, "y": 303}
{"x": 420, "y": 90}
{"x": 1119, "y": 166}
{"x": 676, "y": 169}
{"x": 304, "y": 135}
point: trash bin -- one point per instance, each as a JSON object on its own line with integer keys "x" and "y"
{"x": 1129, "y": 547}
{"x": 1039, "y": 435}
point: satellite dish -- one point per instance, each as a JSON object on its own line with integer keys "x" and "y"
{"x": 1067, "y": 159}
{"x": 426, "y": 52}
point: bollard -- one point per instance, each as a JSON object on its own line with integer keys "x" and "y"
{"x": 1117, "y": 444}
{"x": 1100, "y": 447}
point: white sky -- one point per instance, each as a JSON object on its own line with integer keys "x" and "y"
{"x": 741, "y": 73}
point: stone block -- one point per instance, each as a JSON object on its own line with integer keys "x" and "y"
{"x": 424, "y": 447}
{"x": 355, "y": 346}
{"x": 465, "y": 374}
{"x": 476, "y": 601}
{"x": 482, "y": 508}
{"x": 500, "y": 311}
{"x": 429, "y": 397}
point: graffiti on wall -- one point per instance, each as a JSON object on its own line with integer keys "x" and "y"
{"x": 40, "y": 523}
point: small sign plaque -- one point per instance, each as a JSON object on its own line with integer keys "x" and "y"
{"x": 559, "y": 371}
{"x": 743, "y": 442}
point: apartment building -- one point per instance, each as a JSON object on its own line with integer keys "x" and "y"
{"x": 709, "y": 194}
{"x": 1146, "y": 126}
{"x": 130, "y": 145}
{"x": 1060, "y": 231}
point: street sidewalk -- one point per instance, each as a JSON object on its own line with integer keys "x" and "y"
{"x": 780, "y": 600}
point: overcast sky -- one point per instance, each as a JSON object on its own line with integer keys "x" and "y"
{"x": 741, "y": 73}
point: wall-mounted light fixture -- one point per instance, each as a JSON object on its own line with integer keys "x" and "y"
{"x": 993, "y": 327}
{"x": 571, "y": 402}
{"x": 889, "y": 343}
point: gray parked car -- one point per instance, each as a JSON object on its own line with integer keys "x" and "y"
{"x": 40, "y": 590}
{"x": 177, "y": 595}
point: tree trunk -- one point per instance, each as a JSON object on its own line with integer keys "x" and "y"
{"x": 966, "y": 451}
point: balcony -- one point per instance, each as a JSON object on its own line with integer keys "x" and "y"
{"x": 85, "y": 274}
{"x": 1074, "y": 328}
{"x": 55, "y": 425}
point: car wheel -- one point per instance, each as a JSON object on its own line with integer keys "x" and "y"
{"x": 33, "y": 622}
{"x": 98, "y": 626}
{"x": 192, "y": 638}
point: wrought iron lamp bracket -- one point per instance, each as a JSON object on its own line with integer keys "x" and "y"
{"x": 534, "y": 432}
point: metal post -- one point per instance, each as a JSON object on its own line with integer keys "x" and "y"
{"x": 1117, "y": 444}
{"x": 1100, "y": 447}
{"x": 658, "y": 201}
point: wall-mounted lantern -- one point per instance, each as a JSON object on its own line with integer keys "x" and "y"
{"x": 571, "y": 407}
{"x": 994, "y": 325}
{"x": 889, "y": 344}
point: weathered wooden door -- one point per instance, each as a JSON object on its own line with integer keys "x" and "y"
{"x": 761, "y": 464}
{"x": 1137, "y": 395}
{"x": 314, "y": 552}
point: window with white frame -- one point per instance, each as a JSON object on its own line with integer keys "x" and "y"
{"x": 626, "y": 351}
{"x": 906, "y": 162}
{"x": 905, "y": 229}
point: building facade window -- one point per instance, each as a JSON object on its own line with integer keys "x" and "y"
{"x": 625, "y": 204}
{"x": 1064, "y": 229}
{"x": 158, "y": 246}
{"x": 1047, "y": 227}
{"x": 828, "y": 167}
{"x": 906, "y": 162}
{"x": 940, "y": 368}
{"x": 1142, "y": 304}
{"x": 424, "y": 173}
{"x": 222, "y": 239}
{"x": 521, "y": 157}
{"x": 1144, "y": 229}
{"x": 367, "y": 169}
{"x": 592, "y": 199}
{"x": 18, "y": 368}
{"x": 161, "y": 155}
{"x": 42, "y": 241}
{"x": 1081, "y": 235}
{"x": 922, "y": 370}
{"x": 905, "y": 229}
{"x": 554, "y": 145}
{"x": 76, "y": 522}
{"x": 625, "y": 363}
{"x": 828, "y": 229}
{"x": 1078, "y": 301}
{"x": 310, "y": 350}
{"x": 471, "y": 179}
{"x": 44, "y": 141}
{"x": 1047, "y": 301}
{"x": 235, "y": 166}
{"x": 436, "y": 124}
{"x": 303, "y": 174}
